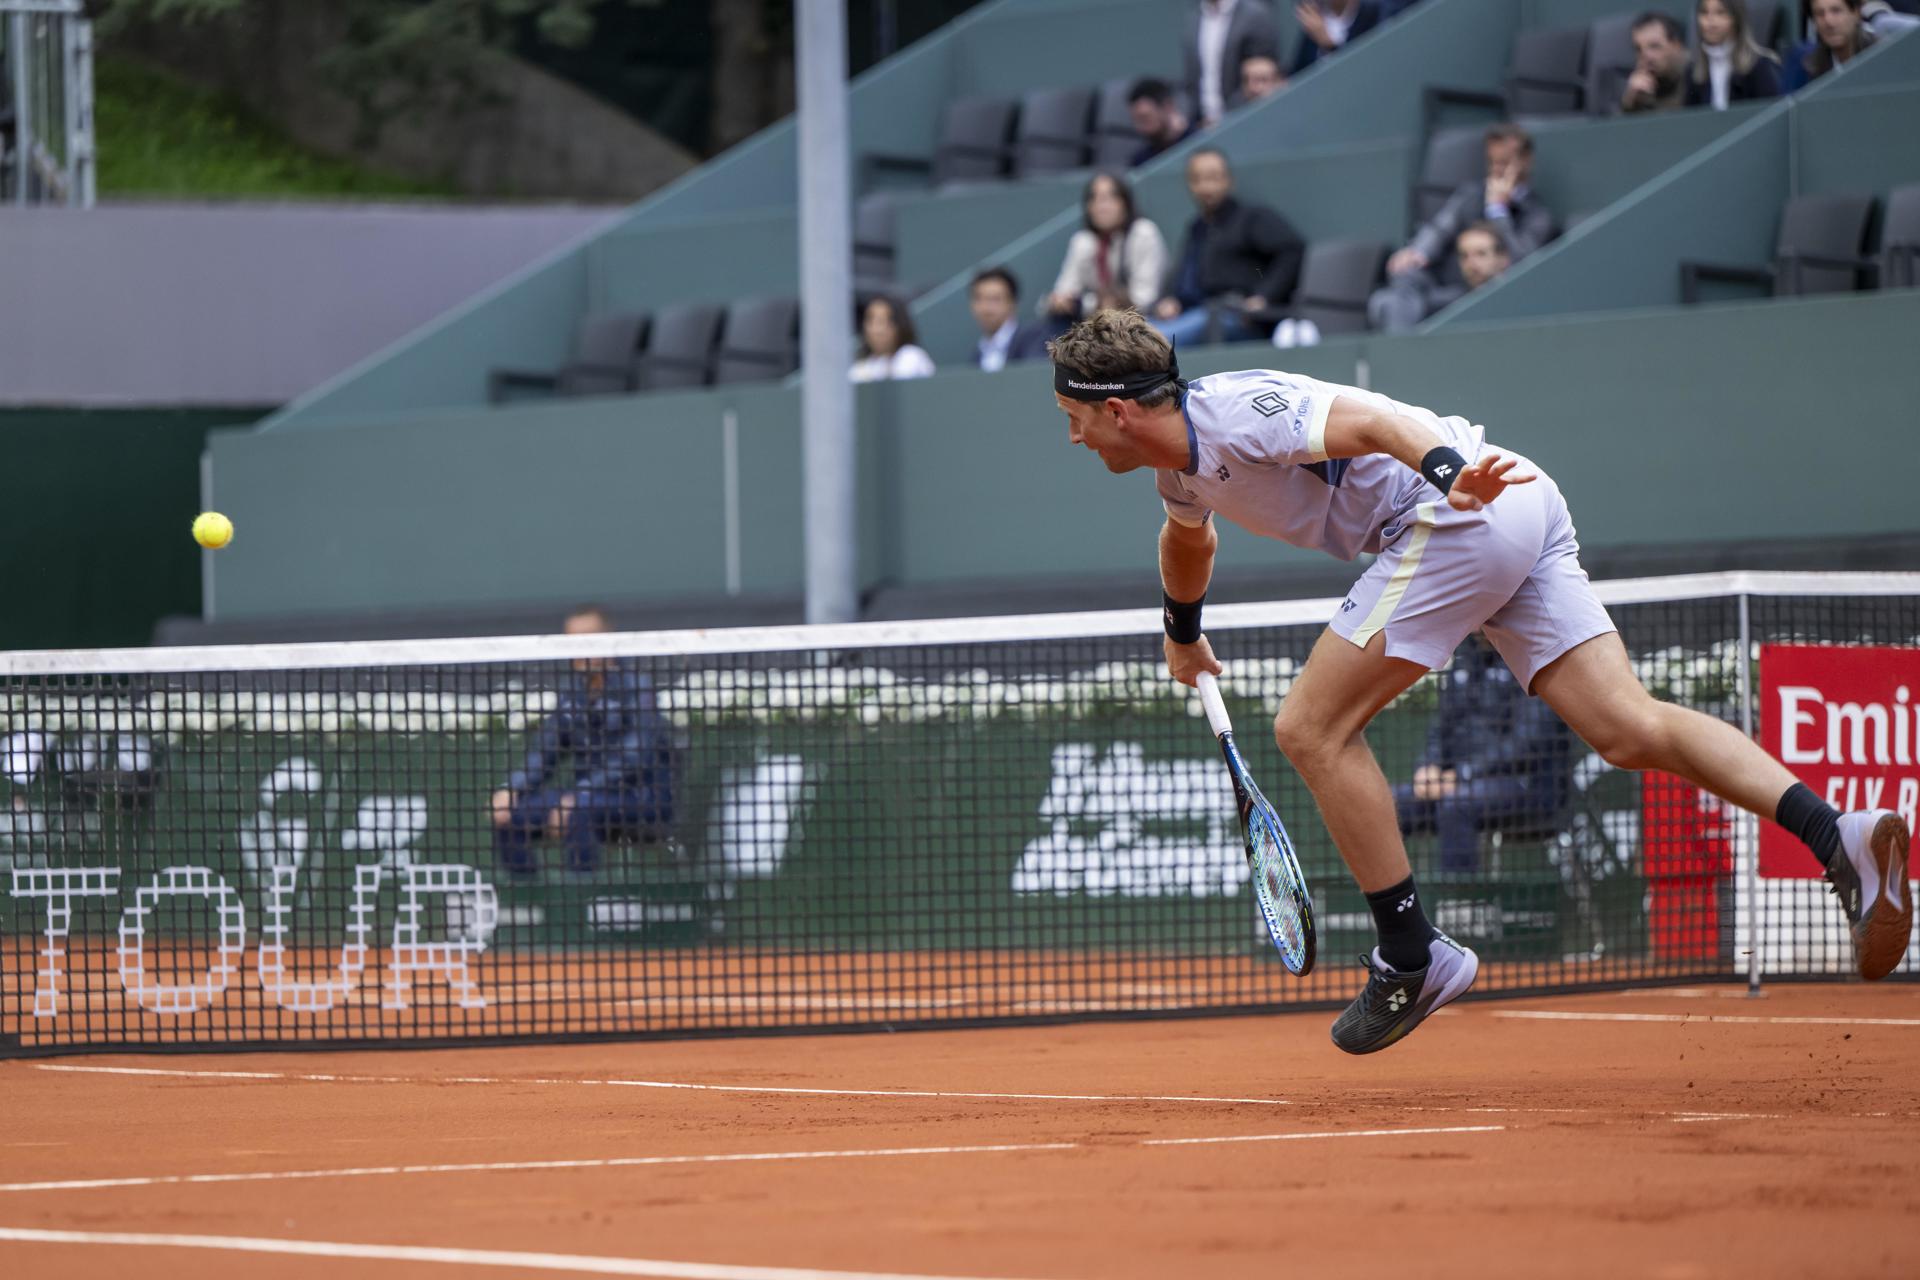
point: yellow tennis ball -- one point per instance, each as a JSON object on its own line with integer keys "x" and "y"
{"x": 212, "y": 530}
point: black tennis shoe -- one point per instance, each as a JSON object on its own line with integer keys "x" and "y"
{"x": 1394, "y": 1003}
{"x": 1869, "y": 876}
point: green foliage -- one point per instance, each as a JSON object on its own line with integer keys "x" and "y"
{"x": 162, "y": 136}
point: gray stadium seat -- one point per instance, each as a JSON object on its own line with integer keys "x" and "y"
{"x": 680, "y": 351}
{"x": 760, "y": 341}
{"x": 1610, "y": 59}
{"x": 1819, "y": 250}
{"x": 873, "y": 239}
{"x": 1455, "y": 155}
{"x": 1114, "y": 140}
{"x": 1900, "y": 239}
{"x": 1052, "y": 134}
{"x": 1335, "y": 278}
{"x": 603, "y": 362}
{"x": 973, "y": 145}
{"x": 1544, "y": 78}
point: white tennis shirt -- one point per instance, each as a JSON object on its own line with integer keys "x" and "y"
{"x": 1259, "y": 459}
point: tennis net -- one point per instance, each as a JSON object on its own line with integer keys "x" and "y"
{"x": 875, "y": 825}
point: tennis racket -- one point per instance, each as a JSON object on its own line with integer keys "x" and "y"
{"x": 1278, "y": 884}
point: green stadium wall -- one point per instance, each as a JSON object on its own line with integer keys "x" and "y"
{"x": 968, "y": 477}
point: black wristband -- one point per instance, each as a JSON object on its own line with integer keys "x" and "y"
{"x": 1441, "y": 467}
{"x": 1183, "y": 620}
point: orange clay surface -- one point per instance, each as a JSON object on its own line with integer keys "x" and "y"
{"x": 1670, "y": 1133}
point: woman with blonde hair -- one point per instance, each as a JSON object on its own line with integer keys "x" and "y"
{"x": 1732, "y": 66}
{"x": 1116, "y": 259}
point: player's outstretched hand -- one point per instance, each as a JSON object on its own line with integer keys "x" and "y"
{"x": 1484, "y": 481}
{"x": 1187, "y": 661}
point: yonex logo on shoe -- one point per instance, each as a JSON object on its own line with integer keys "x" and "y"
{"x": 1397, "y": 1000}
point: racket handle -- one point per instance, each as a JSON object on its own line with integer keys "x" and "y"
{"x": 1210, "y": 699}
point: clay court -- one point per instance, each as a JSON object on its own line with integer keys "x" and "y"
{"x": 1668, "y": 1132}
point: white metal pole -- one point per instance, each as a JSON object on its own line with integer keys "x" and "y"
{"x": 826, "y": 293}
{"x": 22, "y": 109}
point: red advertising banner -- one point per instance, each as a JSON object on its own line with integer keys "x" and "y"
{"x": 1847, "y": 722}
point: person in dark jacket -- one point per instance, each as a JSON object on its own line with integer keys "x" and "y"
{"x": 1495, "y": 760}
{"x": 1158, "y": 118}
{"x": 994, "y": 298}
{"x": 1238, "y": 261}
{"x": 619, "y": 750}
{"x": 1731, "y": 66}
{"x": 1326, "y": 26}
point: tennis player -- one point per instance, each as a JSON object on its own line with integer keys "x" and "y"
{"x": 1467, "y": 538}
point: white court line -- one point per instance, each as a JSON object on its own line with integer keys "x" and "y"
{"x": 1560, "y": 1015}
{"x": 622, "y": 1162}
{"x": 315, "y": 1077}
{"x": 574, "y": 1262}
{"x": 1338, "y": 1133}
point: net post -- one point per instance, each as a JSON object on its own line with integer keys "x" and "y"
{"x": 1750, "y": 822}
{"x": 23, "y": 122}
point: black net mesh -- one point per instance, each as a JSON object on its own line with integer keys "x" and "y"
{"x": 929, "y": 834}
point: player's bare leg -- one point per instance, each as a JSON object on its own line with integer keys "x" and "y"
{"x": 1321, "y": 728}
{"x": 1593, "y": 688}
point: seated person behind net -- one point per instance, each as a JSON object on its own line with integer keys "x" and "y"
{"x": 1659, "y": 79}
{"x": 994, "y": 298}
{"x": 1495, "y": 760}
{"x": 890, "y": 349}
{"x": 1238, "y": 261}
{"x": 1158, "y": 118}
{"x": 1732, "y": 66}
{"x": 1116, "y": 259}
{"x": 1419, "y": 281}
{"x": 619, "y": 749}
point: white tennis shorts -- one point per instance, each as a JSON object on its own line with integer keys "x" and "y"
{"x": 1511, "y": 569}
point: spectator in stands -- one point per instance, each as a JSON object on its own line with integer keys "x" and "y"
{"x": 995, "y": 299}
{"x": 1116, "y": 259}
{"x": 1259, "y": 78}
{"x": 1238, "y": 261}
{"x": 1732, "y": 66}
{"x": 889, "y": 347}
{"x": 1480, "y": 253}
{"x": 1417, "y": 277}
{"x": 1221, "y": 37}
{"x": 1158, "y": 118}
{"x": 1495, "y": 760}
{"x": 1327, "y": 25}
{"x": 1659, "y": 79}
{"x": 1841, "y": 33}
{"x": 618, "y": 750}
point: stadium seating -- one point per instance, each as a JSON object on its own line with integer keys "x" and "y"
{"x": 603, "y": 363}
{"x": 760, "y": 342}
{"x": 975, "y": 134}
{"x": 1454, "y": 155}
{"x": 1052, "y": 135}
{"x": 1112, "y": 139}
{"x": 874, "y": 249}
{"x": 680, "y": 352}
{"x": 1335, "y": 278}
{"x": 1900, "y": 239}
{"x": 1543, "y": 78}
{"x": 1821, "y": 249}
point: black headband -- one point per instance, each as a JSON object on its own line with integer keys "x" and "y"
{"x": 1075, "y": 386}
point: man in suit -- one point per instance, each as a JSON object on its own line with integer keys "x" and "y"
{"x": 1327, "y": 25}
{"x": 995, "y": 299}
{"x": 1221, "y": 36}
{"x": 1259, "y": 78}
{"x": 1419, "y": 274}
